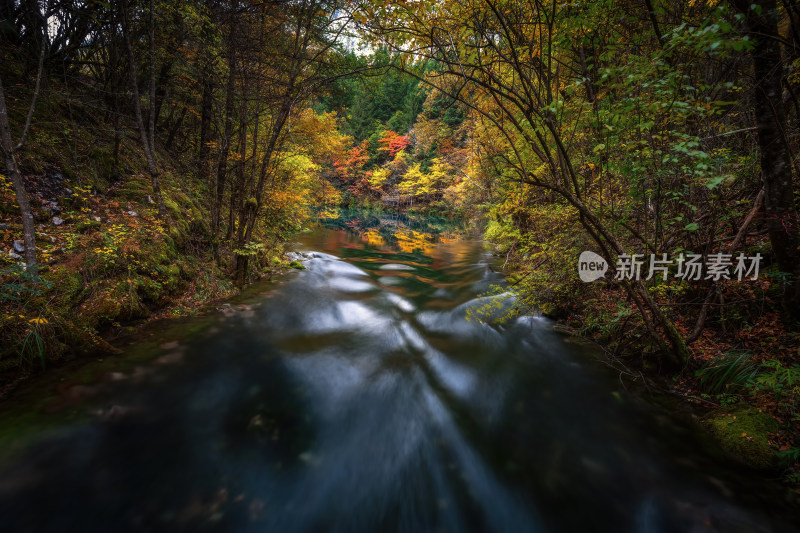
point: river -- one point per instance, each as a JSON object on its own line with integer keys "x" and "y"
{"x": 355, "y": 395}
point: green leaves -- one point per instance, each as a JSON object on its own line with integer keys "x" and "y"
{"x": 716, "y": 181}
{"x": 250, "y": 249}
{"x": 729, "y": 371}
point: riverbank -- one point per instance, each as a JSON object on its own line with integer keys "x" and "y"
{"x": 731, "y": 388}
{"x": 108, "y": 263}
{"x": 111, "y": 264}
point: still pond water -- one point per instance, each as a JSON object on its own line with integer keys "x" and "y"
{"x": 355, "y": 396}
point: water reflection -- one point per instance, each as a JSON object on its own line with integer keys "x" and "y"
{"x": 357, "y": 397}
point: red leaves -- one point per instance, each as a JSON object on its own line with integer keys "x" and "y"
{"x": 358, "y": 156}
{"x": 393, "y": 143}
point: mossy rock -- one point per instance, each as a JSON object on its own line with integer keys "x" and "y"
{"x": 174, "y": 209}
{"x": 199, "y": 229}
{"x": 85, "y": 226}
{"x": 172, "y": 275}
{"x": 80, "y": 340}
{"x": 67, "y": 283}
{"x": 188, "y": 269}
{"x": 297, "y": 264}
{"x": 102, "y": 162}
{"x": 7, "y": 261}
{"x": 158, "y": 282}
{"x": 157, "y": 252}
{"x": 136, "y": 188}
{"x": 177, "y": 232}
{"x": 111, "y": 302}
{"x": 168, "y": 281}
{"x": 150, "y": 290}
{"x": 742, "y": 433}
{"x": 170, "y": 244}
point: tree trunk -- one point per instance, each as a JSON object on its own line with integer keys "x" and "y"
{"x": 206, "y": 108}
{"x": 9, "y": 150}
{"x": 660, "y": 326}
{"x": 117, "y": 143}
{"x": 237, "y": 188}
{"x": 782, "y": 221}
{"x": 148, "y": 143}
{"x": 251, "y": 211}
{"x": 222, "y": 167}
{"x": 28, "y": 230}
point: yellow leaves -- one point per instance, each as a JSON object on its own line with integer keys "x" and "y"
{"x": 38, "y": 321}
{"x": 378, "y": 177}
{"x": 285, "y": 198}
{"x": 326, "y": 194}
{"x": 330, "y": 213}
{"x": 412, "y": 180}
{"x": 5, "y": 183}
{"x": 424, "y": 183}
{"x": 317, "y": 135}
{"x": 373, "y": 238}
{"x": 410, "y": 241}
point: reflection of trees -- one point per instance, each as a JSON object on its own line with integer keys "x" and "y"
{"x": 387, "y": 224}
{"x": 410, "y": 234}
{"x": 411, "y": 241}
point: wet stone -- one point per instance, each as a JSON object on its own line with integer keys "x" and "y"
{"x": 171, "y": 345}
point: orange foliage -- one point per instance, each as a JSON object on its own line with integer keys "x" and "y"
{"x": 393, "y": 143}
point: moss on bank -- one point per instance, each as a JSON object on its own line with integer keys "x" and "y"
{"x": 108, "y": 262}
{"x": 111, "y": 263}
{"x": 744, "y": 434}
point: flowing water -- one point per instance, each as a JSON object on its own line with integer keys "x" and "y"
{"x": 355, "y": 396}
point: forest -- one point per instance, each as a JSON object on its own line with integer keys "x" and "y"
{"x": 159, "y": 156}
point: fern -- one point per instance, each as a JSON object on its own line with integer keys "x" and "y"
{"x": 729, "y": 371}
